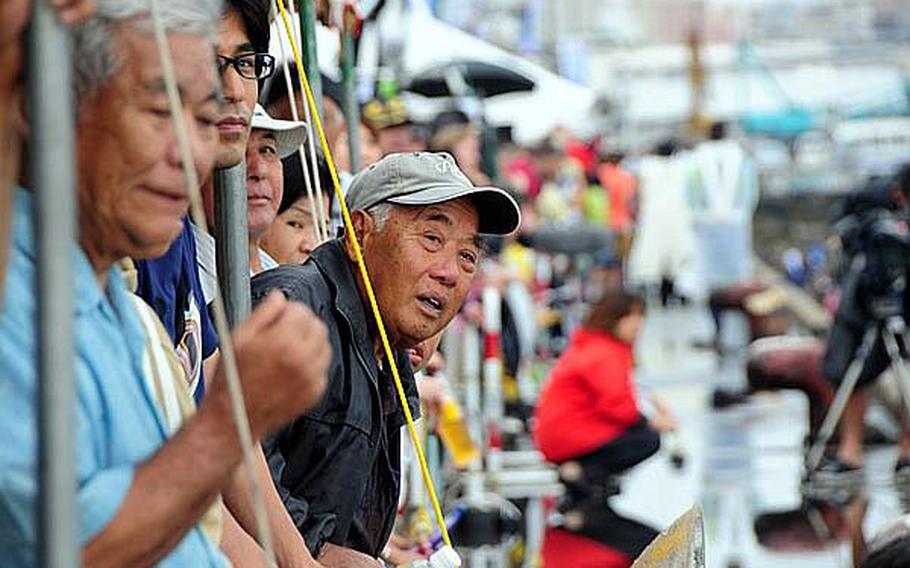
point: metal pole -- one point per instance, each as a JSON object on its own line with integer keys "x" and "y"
{"x": 492, "y": 374}
{"x": 309, "y": 56}
{"x": 52, "y": 172}
{"x": 232, "y": 241}
{"x": 349, "y": 84}
{"x": 489, "y": 149}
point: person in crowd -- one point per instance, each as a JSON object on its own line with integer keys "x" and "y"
{"x": 368, "y": 143}
{"x": 785, "y": 362}
{"x": 722, "y": 194}
{"x": 516, "y": 166}
{"x": 13, "y": 18}
{"x": 561, "y": 179}
{"x": 277, "y": 102}
{"x": 131, "y": 201}
{"x": 419, "y": 221}
{"x": 762, "y": 304}
{"x": 664, "y": 253}
{"x": 622, "y": 189}
{"x": 165, "y": 379}
{"x": 395, "y": 129}
{"x": 463, "y": 142}
{"x": 844, "y": 340}
{"x": 590, "y": 424}
{"x": 170, "y": 284}
{"x": 270, "y": 142}
{"x": 292, "y": 235}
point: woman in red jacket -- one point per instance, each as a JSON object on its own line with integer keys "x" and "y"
{"x": 588, "y": 422}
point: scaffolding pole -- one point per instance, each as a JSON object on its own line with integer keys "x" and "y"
{"x": 53, "y": 180}
{"x": 309, "y": 55}
{"x": 349, "y": 85}
{"x": 232, "y": 249}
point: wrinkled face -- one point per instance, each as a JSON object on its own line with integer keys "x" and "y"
{"x": 422, "y": 263}
{"x": 240, "y": 94}
{"x": 132, "y": 192}
{"x": 629, "y": 327}
{"x": 292, "y": 236}
{"x": 264, "y": 181}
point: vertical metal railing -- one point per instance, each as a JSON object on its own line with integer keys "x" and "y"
{"x": 349, "y": 86}
{"x": 53, "y": 180}
{"x": 232, "y": 249}
{"x": 308, "y": 50}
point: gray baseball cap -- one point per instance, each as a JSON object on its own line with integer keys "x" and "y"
{"x": 428, "y": 178}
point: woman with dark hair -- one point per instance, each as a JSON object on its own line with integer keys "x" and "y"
{"x": 588, "y": 422}
{"x": 292, "y": 236}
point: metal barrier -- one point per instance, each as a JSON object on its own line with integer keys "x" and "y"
{"x": 232, "y": 248}
{"x": 52, "y": 172}
{"x": 309, "y": 55}
{"x": 349, "y": 86}
{"x": 475, "y": 361}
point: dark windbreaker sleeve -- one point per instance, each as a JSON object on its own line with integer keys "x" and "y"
{"x": 315, "y": 528}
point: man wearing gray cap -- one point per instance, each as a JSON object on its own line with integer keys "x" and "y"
{"x": 419, "y": 222}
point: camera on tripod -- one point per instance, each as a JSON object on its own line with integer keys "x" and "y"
{"x": 877, "y": 244}
{"x": 877, "y": 250}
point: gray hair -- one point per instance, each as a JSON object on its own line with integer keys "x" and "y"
{"x": 95, "y": 53}
{"x": 380, "y": 214}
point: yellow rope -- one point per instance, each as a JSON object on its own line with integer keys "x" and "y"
{"x": 367, "y": 284}
{"x": 317, "y": 224}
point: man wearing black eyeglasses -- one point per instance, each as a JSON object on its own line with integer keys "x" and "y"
{"x": 171, "y": 284}
{"x": 243, "y": 61}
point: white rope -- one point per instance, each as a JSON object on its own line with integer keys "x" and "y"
{"x": 320, "y": 209}
{"x": 238, "y": 409}
{"x": 292, "y": 102}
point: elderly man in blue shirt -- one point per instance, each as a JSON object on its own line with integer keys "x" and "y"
{"x": 139, "y": 493}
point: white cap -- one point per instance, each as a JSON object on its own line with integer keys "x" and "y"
{"x": 289, "y": 134}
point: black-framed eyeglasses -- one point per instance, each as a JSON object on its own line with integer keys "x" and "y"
{"x": 255, "y": 66}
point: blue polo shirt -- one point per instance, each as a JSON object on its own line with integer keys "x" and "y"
{"x": 117, "y": 424}
{"x": 170, "y": 285}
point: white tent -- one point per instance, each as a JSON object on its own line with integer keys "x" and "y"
{"x": 427, "y": 42}
{"x": 555, "y": 101}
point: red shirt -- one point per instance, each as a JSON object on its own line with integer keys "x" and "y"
{"x": 562, "y": 549}
{"x": 589, "y": 398}
{"x": 621, "y": 186}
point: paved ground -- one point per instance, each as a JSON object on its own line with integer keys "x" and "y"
{"x": 741, "y": 463}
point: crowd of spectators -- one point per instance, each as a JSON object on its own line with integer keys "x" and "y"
{"x": 439, "y": 210}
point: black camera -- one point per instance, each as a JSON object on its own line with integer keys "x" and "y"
{"x": 877, "y": 243}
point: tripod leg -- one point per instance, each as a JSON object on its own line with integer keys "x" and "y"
{"x": 817, "y": 451}
{"x": 899, "y": 364}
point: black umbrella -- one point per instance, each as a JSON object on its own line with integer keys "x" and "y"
{"x": 477, "y": 78}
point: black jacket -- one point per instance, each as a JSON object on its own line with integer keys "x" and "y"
{"x": 337, "y": 468}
